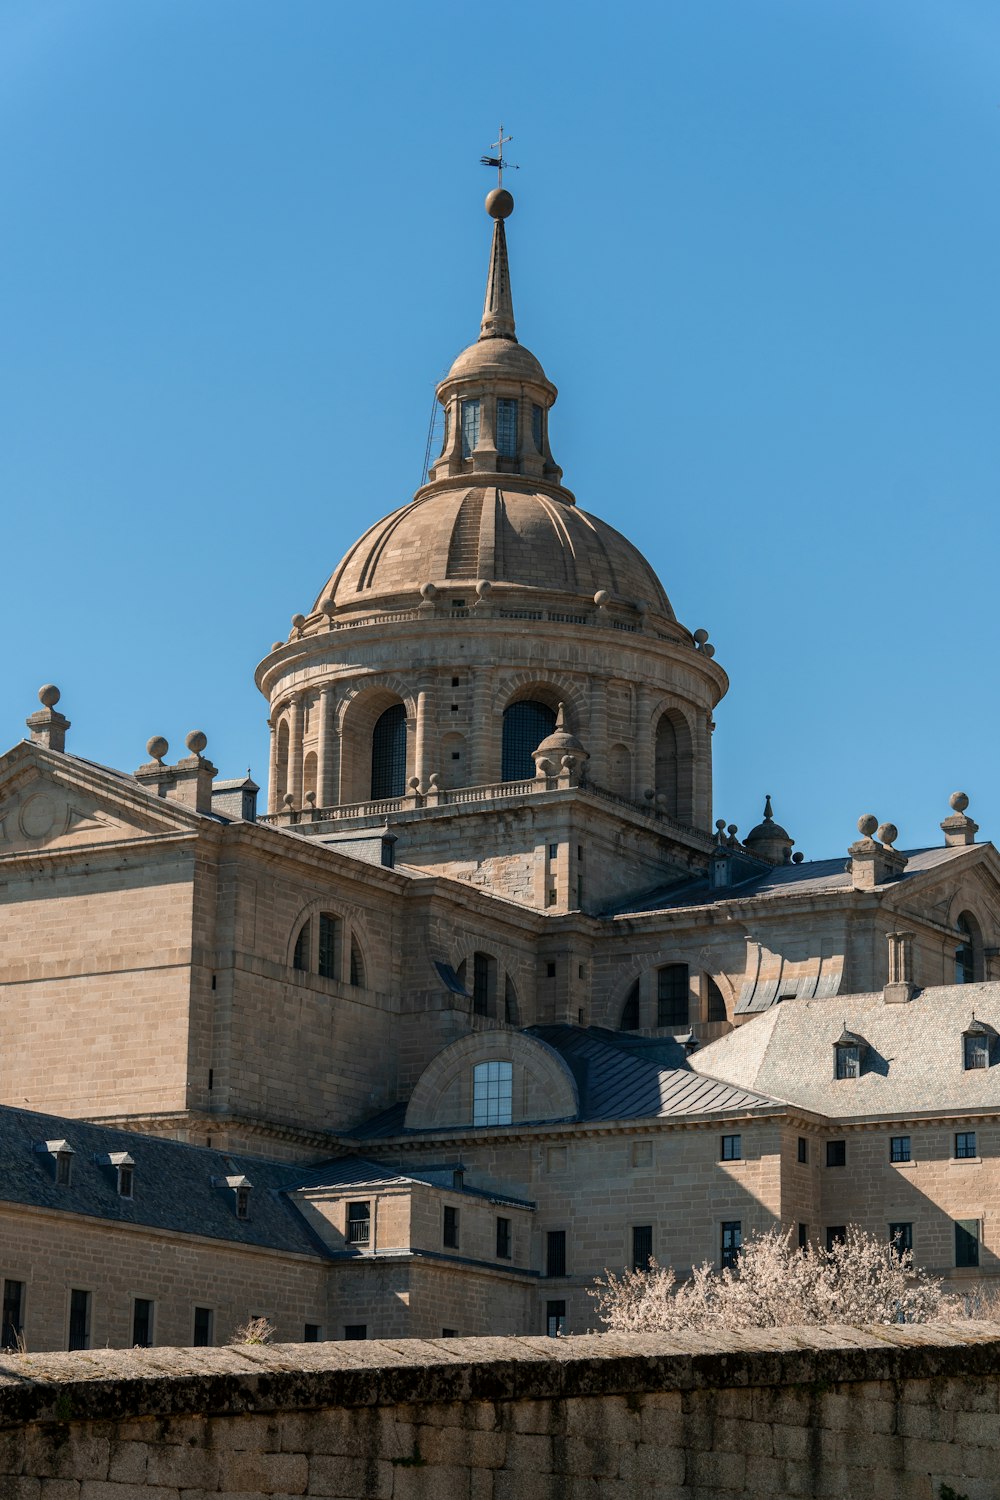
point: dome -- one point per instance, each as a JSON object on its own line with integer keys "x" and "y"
{"x": 503, "y": 535}
{"x": 769, "y": 838}
{"x": 498, "y": 359}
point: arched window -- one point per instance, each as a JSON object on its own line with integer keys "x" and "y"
{"x": 389, "y": 753}
{"x": 510, "y": 1011}
{"x": 715, "y": 1001}
{"x": 281, "y": 766}
{"x": 300, "y": 958}
{"x": 329, "y": 945}
{"x": 967, "y": 954}
{"x": 672, "y": 995}
{"x": 357, "y": 964}
{"x": 525, "y": 725}
{"x": 630, "y": 1010}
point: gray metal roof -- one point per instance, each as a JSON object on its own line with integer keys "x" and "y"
{"x": 812, "y": 877}
{"x": 914, "y": 1060}
{"x": 173, "y": 1182}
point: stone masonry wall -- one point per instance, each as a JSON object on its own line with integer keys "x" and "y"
{"x": 882, "y": 1412}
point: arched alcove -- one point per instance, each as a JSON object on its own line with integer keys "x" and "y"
{"x": 674, "y": 766}
{"x": 969, "y": 950}
{"x": 309, "y": 774}
{"x": 281, "y": 764}
{"x": 620, "y": 770}
{"x": 374, "y": 747}
{"x": 541, "y": 1085}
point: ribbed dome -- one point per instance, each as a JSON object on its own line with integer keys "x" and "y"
{"x": 497, "y": 358}
{"x": 512, "y": 536}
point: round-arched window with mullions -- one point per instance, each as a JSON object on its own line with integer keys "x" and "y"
{"x": 389, "y": 753}
{"x": 525, "y": 725}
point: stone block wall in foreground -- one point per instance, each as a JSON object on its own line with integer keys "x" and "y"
{"x": 861, "y": 1414}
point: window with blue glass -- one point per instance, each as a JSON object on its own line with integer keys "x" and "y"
{"x": 965, "y": 1145}
{"x": 536, "y": 426}
{"x": 506, "y": 427}
{"x": 389, "y": 753}
{"x": 732, "y": 1239}
{"x": 525, "y": 725}
{"x": 470, "y": 427}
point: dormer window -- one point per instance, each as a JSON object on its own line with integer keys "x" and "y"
{"x": 506, "y": 427}
{"x": 976, "y": 1045}
{"x": 124, "y": 1166}
{"x": 848, "y": 1052}
{"x": 470, "y": 428}
{"x": 62, "y": 1154}
{"x": 241, "y": 1187}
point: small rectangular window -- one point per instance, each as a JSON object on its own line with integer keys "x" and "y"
{"x": 977, "y": 1052}
{"x": 732, "y": 1239}
{"x": 79, "y": 1320}
{"x": 642, "y": 1246}
{"x": 506, "y": 427}
{"x": 313, "y": 1333}
{"x": 64, "y": 1172}
{"x": 142, "y": 1323}
{"x": 965, "y": 1144}
{"x": 449, "y": 1231}
{"x": 243, "y": 1202}
{"x": 966, "y": 1242}
{"x": 12, "y": 1327}
{"x": 803, "y": 1149}
{"x": 550, "y": 970}
{"x": 204, "y": 1327}
{"x": 449, "y": 1333}
{"x": 503, "y": 1239}
{"x": 555, "y": 1252}
{"x": 553, "y": 851}
{"x": 803, "y": 1236}
{"x": 899, "y": 1148}
{"x": 732, "y": 1148}
{"x": 355, "y": 1330}
{"x": 126, "y": 1179}
{"x": 359, "y": 1223}
{"x": 555, "y": 1318}
{"x": 454, "y": 682}
{"x": 836, "y": 1234}
{"x": 848, "y": 1062}
{"x": 901, "y": 1236}
{"x": 470, "y": 427}
{"x": 836, "y": 1153}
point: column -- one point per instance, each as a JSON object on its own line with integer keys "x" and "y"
{"x": 272, "y": 775}
{"x": 424, "y": 732}
{"x": 480, "y": 747}
{"x": 644, "y": 766}
{"x": 295, "y": 749}
{"x": 597, "y": 740}
{"x": 326, "y": 782}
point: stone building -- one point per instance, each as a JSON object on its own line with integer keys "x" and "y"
{"x": 487, "y": 1000}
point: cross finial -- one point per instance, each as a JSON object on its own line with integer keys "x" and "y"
{"x": 497, "y": 159}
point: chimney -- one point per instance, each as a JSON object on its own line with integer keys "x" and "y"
{"x": 48, "y": 727}
{"x": 873, "y": 862}
{"x": 900, "y": 986}
{"x": 958, "y": 829}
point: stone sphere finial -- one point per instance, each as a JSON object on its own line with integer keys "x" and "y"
{"x": 958, "y": 801}
{"x": 798, "y": 857}
{"x": 720, "y": 824}
{"x": 732, "y": 830}
{"x": 483, "y": 587}
{"x": 196, "y": 741}
{"x": 887, "y": 833}
{"x": 328, "y": 605}
{"x": 499, "y": 203}
{"x": 49, "y": 695}
{"x": 428, "y": 590}
{"x": 288, "y": 800}
{"x": 708, "y": 650}
{"x": 601, "y": 598}
{"x": 867, "y": 824}
{"x": 157, "y": 747}
{"x": 414, "y": 783}
{"x": 298, "y": 621}
{"x": 701, "y": 636}
{"x": 276, "y": 645}
{"x": 311, "y": 797}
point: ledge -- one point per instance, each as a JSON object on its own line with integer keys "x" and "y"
{"x": 112, "y": 1385}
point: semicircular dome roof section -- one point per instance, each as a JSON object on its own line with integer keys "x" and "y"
{"x": 507, "y": 536}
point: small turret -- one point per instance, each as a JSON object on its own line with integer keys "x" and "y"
{"x": 769, "y": 840}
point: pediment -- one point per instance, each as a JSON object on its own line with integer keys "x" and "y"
{"x": 43, "y": 812}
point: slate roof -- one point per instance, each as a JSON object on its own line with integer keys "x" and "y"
{"x": 618, "y": 1077}
{"x": 172, "y": 1186}
{"x": 618, "y": 1080}
{"x": 812, "y": 877}
{"x": 914, "y": 1062}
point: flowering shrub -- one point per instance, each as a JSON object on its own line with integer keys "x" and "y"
{"x": 861, "y": 1279}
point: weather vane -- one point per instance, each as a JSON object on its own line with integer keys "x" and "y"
{"x": 498, "y": 161}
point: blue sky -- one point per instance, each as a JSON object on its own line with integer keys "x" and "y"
{"x": 755, "y": 245}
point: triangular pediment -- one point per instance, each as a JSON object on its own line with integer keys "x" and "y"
{"x": 47, "y": 804}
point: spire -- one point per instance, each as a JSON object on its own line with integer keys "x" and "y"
{"x": 498, "y": 308}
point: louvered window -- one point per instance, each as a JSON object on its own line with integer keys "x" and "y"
{"x": 470, "y": 427}
{"x": 525, "y": 725}
{"x": 389, "y": 753}
{"x": 506, "y": 428}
